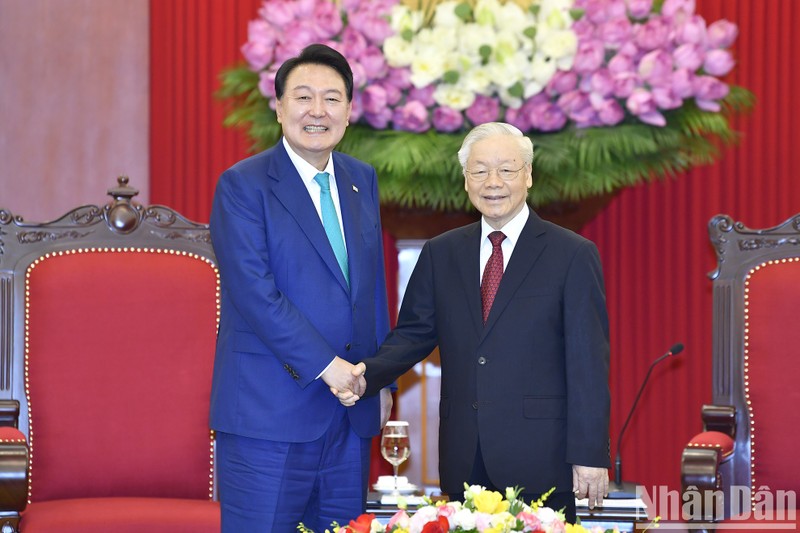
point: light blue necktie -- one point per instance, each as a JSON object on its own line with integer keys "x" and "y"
{"x": 331, "y": 223}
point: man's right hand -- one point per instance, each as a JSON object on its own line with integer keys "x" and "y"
{"x": 343, "y": 377}
{"x": 348, "y": 397}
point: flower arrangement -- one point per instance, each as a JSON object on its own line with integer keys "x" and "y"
{"x": 610, "y": 91}
{"x": 483, "y": 511}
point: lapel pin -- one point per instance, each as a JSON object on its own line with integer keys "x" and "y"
{"x": 355, "y": 188}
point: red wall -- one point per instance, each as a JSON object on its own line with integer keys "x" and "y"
{"x": 652, "y": 238}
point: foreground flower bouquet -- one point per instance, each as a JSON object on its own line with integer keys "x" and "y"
{"x": 612, "y": 92}
{"x": 483, "y": 511}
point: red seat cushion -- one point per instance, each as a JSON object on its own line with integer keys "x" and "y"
{"x": 122, "y": 515}
{"x": 713, "y": 439}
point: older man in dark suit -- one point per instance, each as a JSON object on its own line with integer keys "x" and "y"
{"x": 517, "y": 307}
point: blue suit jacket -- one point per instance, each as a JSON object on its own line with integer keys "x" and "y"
{"x": 286, "y": 309}
{"x": 532, "y": 384}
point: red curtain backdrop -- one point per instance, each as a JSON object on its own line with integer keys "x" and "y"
{"x": 652, "y": 238}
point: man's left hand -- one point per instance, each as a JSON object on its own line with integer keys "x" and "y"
{"x": 590, "y": 482}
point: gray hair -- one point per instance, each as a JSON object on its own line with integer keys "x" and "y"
{"x": 490, "y": 129}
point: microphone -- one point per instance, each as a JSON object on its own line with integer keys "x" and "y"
{"x": 619, "y": 489}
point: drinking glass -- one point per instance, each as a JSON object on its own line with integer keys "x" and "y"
{"x": 395, "y": 446}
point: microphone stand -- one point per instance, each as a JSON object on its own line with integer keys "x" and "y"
{"x": 618, "y": 489}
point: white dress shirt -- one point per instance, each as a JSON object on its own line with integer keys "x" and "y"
{"x": 512, "y": 230}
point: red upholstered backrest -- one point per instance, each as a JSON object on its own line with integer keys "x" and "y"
{"x": 772, "y": 367}
{"x": 120, "y": 348}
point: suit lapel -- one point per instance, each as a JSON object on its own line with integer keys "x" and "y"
{"x": 467, "y": 258}
{"x": 293, "y": 194}
{"x": 526, "y": 252}
{"x": 351, "y": 219}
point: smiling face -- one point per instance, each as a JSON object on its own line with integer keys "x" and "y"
{"x": 314, "y": 112}
{"x": 498, "y": 201}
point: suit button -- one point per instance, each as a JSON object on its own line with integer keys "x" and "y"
{"x": 475, "y": 405}
{"x": 347, "y": 347}
{"x": 481, "y": 360}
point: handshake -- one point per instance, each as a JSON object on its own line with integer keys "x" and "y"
{"x": 346, "y": 381}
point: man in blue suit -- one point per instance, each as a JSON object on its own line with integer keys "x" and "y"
{"x": 297, "y": 234}
{"x": 517, "y": 307}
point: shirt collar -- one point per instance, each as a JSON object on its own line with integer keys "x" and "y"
{"x": 306, "y": 170}
{"x": 512, "y": 229}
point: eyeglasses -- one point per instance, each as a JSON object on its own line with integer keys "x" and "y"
{"x": 505, "y": 174}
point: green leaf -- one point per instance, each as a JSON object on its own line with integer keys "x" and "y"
{"x": 486, "y": 52}
{"x": 464, "y": 11}
{"x": 451, "y": 77}
{"x": 534, "y": 9}
{"x": 517, "y": 90}
{"x": 407, "y": 35}
{"x": 530, "y": 32}
{"x": 576, "y": 14}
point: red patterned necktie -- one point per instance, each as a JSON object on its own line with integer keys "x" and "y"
{"x": 492, "y": 273}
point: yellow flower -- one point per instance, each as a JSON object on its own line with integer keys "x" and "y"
{"x": 572, "y": 528}
{"x": 489, "y": 501}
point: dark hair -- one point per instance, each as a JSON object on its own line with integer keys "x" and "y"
{"x": 316, "y": 54}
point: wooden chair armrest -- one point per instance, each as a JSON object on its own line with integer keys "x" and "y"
{"x": 699, "y": 474}
{"x": 720, "y": 418}
{"x": 9, "y": 413}
{"x": 13, "y": 472}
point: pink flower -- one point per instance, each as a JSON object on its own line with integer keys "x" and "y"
{"x": 375, "y": 28}
{"x": 359, "y": 74}
{"x": 563, "y": 81}
{"x": 517, "y": 117}
{"x": 374, "y": 63}
{"x": 692, "y": 31}
{"x": 601, "y": 82}
{"x": 608, "y": 110}
{"x": 400, "y": 518}
{"x": 413, "y": 116}
{"x": 722, "y": 33}
{"x": 373, "y": 99}
{"x": 357, "y": 109}
{"x": 621, "y": 63}
{"x": 326, "y": 19}
{"x": 656, "y": 67}
{"x": 530, "y": 521}
{"x": 379, "y": 120}
{"x": 665, "y": 98}
{"x": 688, "y": 56}
{"x": 257, "y": 54}
{"x": 279, "y": 12}
{"x": 718, "y": 62}
{"x": 266, "y": 83}
{"x": 625, "y": 83}
{"x": 424, "y": 95}
{"x": 641, "y": 104}
{"x": 672, "y": 7}
{"x": 614, "y": 33}
{"x": 547, "y": 117}
{"x": 599, "y": 11}
{"x": 707, "y": 90}
{"x": 393, "y": 93}
{"x": 639, "y": 9}
{"x": 577, "y": 106}
{"x": 483, "y": 109}
{"x": 447, "y": 120}
{"x": 589, "y": 57}
{"x": 651, "y": 35}
{"x": 399, "y": 78}
{"x": 683, "y": 83}
{"x": 353, "y": 44}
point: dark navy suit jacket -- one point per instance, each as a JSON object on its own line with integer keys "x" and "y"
{"x": 532, "y": 384}
{"x": 286, "y": 309}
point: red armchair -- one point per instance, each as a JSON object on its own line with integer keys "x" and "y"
{"x": 745, "y": 464}
{"x": 108, "y": 320}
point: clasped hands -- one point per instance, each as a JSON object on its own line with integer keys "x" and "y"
{"x": 348, "y": 384}
{"x": 346, "y": 380}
